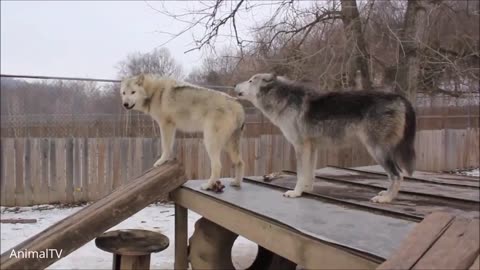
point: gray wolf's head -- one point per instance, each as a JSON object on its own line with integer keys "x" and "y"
{"x": 249, "y": 89}
{"x": 133, "y": 92}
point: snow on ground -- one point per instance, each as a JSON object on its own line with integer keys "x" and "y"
{"x": 158, "y": 218}
{"x": 475, "y": 172}
{"x": 468, "y": 172}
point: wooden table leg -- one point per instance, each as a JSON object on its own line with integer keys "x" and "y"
{"x": 181, "y": 237}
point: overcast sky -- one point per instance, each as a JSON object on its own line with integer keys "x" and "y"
{"x": 85, "y": 38}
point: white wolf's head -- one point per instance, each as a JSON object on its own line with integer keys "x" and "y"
{"x": 133, "y": 93}
{"x": 249, "y": 90}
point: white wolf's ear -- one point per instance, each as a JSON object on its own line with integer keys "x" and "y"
{"x": 140, "y": 79}
{"x": 271, "y": 77}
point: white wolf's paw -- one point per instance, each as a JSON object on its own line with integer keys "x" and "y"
{"x": 382, "y": 193}
{"x": 235, "y": 183}
{"x": 206, "y": 186}
{"x": 308, "y": 188}
{"x": 383, "y": 198}
{"x": 292, "y": 194}
{"x": 160, "y": 162}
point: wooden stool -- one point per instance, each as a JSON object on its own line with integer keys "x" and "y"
{"x": 132, "y": 248}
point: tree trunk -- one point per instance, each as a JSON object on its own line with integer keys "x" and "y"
{"x": 356, "y": 44}
{"x": 413, "y": 38}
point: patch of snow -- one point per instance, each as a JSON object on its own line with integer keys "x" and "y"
{"x": 469, "y": 172}
{"x": 474, "y": 172}
{"x": 158, "y": 218}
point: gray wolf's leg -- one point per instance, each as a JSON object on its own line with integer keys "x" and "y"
{"x": 304, "y": 171}
{"x": 387, "y": 196}
{"x": 385, "y": 160}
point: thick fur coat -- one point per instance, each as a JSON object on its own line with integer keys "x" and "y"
{"x": 178, "y": 105}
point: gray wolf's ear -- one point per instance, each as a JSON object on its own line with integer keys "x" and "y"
{"x": 140, "y": 79}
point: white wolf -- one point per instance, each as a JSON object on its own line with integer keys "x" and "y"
{"x": 179, "y": 105}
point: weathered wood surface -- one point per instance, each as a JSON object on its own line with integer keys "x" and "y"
{"x": 83, "y": 226}
{"x": 436, "y": 177}
{"x": 18, "y": 220}
{"x": 414, "y": 187}
{"x": 74, "y": 170}
{"x": 330, "y": 184}
{"x": 440, "y": 241}
{"x": 418, "y": 242}
{"x": 132, "y": 242}
{"x": 181, "y": 235}
{"x": 457, "y": 248}
{"x": 324, "y": 234}
{"x": 476, "y": 264}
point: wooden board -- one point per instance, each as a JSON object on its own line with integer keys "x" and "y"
{"x": 418, "y": 242}
{"x": 414, "y": 206}
{"x": 475, "y": 265}
{"x": 419, "y": 188}
{"x": 441, "y": 178}
{"x": 308, "y": 251}
{"x": 440, "y": 241}
{"x": 457, "y": 248}
{"x": 91, "y": 221}
{"x": 19, "y": 146}
{"x": 69, "y": 170}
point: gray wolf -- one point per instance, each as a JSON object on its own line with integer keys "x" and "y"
{"x": 178, "y": 105}
{"x": 383, "y": 122}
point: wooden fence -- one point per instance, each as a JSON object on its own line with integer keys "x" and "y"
{"x": 73, "y": 170}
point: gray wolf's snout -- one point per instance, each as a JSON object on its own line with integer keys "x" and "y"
{"x": 125, "y": 105}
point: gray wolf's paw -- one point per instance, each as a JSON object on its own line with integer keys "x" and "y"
{"x": 292, "y": 194}
{"x": 384, "y": 198}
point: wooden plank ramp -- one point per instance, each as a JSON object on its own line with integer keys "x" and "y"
{"x": 78, "y": 229}
{"x": 440, "y": 241}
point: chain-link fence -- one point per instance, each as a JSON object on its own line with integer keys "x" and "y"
{"x": 35, "y": 106}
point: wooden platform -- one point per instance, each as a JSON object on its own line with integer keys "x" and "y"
{"x": 335, "y": 226}
{"x": 420, "y": 195}
{"x": 440, "y": 241}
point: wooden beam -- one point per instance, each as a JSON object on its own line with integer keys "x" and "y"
{"x": 83, "y": 226}
{"x": 456, "y": 249}
{"x": 418, "y": 241}
{"x": 181, "y": 237}
{"x": 476, "y": 264}
{"x": 286, "y": 242}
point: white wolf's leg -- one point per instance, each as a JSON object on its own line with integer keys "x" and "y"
{"x": 167, "y": 131}
{"x": 213, "y": 144}
{"x": 304, "y": 170}
{"x": 233, "y": 149}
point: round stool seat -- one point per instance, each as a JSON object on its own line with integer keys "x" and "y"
{"x": 132, "y": 242}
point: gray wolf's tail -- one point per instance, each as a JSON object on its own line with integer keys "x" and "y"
{"x": 405, "y": 151}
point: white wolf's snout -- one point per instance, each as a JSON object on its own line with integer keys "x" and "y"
{"x": 128, "y": 106}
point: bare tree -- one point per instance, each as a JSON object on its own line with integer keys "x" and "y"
{"x": 413, "y": 46}
{"x": 412, "y": 39}
{"x": 356, "y": 42}
{"x": 159, "y": 61}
